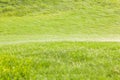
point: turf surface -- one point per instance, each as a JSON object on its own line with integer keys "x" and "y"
{"x": 59, "y": 40}
{"x": 60, "y": 60}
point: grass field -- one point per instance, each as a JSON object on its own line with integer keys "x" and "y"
{"x": 59, "y": 40}
{"x": 60, "y": 60}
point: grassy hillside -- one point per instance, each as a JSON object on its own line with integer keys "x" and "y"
{"x": 59, "y": 39}
{"x": 89, "y": 23}
{"x": 65, "y": 19}
{"x": 77, "y": 24}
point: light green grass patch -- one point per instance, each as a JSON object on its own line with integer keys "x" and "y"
{"x": 60, "y": 60}
{"x": 83, "y": 25}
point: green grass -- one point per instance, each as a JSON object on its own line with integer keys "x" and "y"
{"x": 59, "y": 39}
{"x": 80, "y": 25}
{"x": 88, "y": 19}
{"x": 23, "y": 7}
{"x": 60, "y": 61}
{"x": 85, "y": 23}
